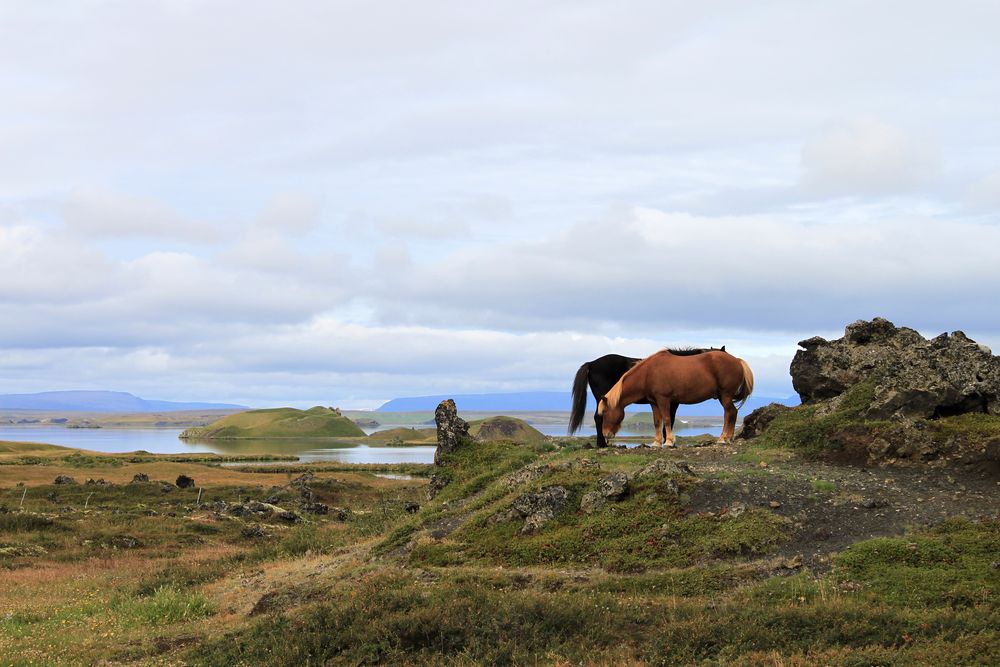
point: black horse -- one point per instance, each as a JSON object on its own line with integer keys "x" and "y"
{"x": 602, "y": 374}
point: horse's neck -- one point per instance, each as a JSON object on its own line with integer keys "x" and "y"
{"x": 630, "y": 391}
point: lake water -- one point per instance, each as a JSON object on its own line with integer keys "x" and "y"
{"x": 165, "y": 441}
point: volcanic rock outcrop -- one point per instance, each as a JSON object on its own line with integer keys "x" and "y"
{"x": 913, "y": 377}
{"x": 452, "y": 430}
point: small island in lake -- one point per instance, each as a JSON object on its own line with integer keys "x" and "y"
{"x": 317, "y": 422}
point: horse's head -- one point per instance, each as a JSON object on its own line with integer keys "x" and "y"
{"x": 612, "y": 416}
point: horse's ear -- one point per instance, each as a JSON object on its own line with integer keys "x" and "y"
{"x": 601, "y": 404}
{"x": 723, "y": 348}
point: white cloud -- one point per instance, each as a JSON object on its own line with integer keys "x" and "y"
{"x": 291, "y": 213}
{"x": 652, "y": 269}
{"x": 100, "y": 213}
{"x": 985, "y": 193}
{"x": 41, "y": 268}
{"x": 865, "y": 156}
{"x": 332, "y": 199}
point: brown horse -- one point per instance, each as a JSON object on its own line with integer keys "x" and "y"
{"x": 667, "y": 380}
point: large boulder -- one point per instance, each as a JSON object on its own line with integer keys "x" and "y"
{"x": 913, "y": 377}
{"x": 452, "y": 430}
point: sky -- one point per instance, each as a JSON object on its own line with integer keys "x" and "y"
{"x": 338, "y": 203}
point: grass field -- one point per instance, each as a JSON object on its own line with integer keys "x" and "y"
{"x": 366, "y": 570}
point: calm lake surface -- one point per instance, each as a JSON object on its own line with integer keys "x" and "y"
{"x": 165, "y": 441}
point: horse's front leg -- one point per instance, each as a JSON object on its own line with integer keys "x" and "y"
{"x": 729, "y": 421}
{"x": 657, "y": 425}
{"x": 599, "y": 422}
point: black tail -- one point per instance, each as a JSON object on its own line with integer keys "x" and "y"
{"x": 579, "y": 398}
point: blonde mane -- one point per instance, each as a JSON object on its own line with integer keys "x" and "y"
{"x": 614, "y": 394}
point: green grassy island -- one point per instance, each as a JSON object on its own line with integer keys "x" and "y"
{"x": 317, "y": 422}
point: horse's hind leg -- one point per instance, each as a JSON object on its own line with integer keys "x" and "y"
{"x": 729, "y": 421}
{"x": 667, "y": 413}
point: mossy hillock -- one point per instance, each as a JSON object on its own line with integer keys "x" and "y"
{"x": 316, "y": 422}
{"x": 474, "y": 520}
{"x": 509, "y": 429}
{"x": 402, "y": 435}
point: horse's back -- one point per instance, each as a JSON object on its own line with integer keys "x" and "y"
{"x": 693, "y": 378}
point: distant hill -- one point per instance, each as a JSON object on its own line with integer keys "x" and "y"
{"x": 554, "y": 401}
{"x": 318, "y": 422}
{"x": 100, "y": 401}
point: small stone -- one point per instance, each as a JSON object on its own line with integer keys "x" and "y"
{"x": 736, "y": 509}
{"x": 289, "y": 516}
{"x": 592, "y": 502}
{"x": 140, "y": 478}
{"x": 315, "y": 508}
{"x": 252, "y": 532}
{"x": 873, "y": 503}
{"x": 184, "y": 482}
{"x": 411, "y": 507}
{"x": 774, "y": 504}
{"x": 125, "y": 542}
{"x": 64, "y": 479}
{"x": 794, "y": 562}
{"x": 166, "y": 488}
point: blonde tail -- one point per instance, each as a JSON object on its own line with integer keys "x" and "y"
{"x": 746, "y": 388}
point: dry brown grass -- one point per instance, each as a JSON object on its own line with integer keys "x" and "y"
{"x": 204, "y": 475}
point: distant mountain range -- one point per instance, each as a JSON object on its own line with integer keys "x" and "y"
{"x": 554, "y": 401}
{"x": 100, "y": 401}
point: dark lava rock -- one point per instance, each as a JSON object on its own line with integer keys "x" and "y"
{"x": 252, "y": 532}
{"x": 289, "y": 516}
{"x": 261, "y": 509}
{"x": 140, "y": 478}
{"x": 64, "y": 479}
{"x": 411, "y": 507}
{"x": 758, "y": 420}
{"x": 315, "y": 508}
{"x": 125, "y": 542}
{"x": 341, "y": 513}
{"x": 452, "y": 430}
{"x": 874, "y": 503}
{"x": 663, "y": 467}
{"x": 536, "y": 508}
{"x": 304, "y": 479}
{"x": 436, "y": 483}
{"x": 97, "y": 482}
{"x": 592, "y": 502}
{"x": 914, "y": 377}
{"x": 166, "y": 488}
{"x": 613, "y": 486}
{"x": 548, "y": 498}
{"x": 184, "y": 482}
